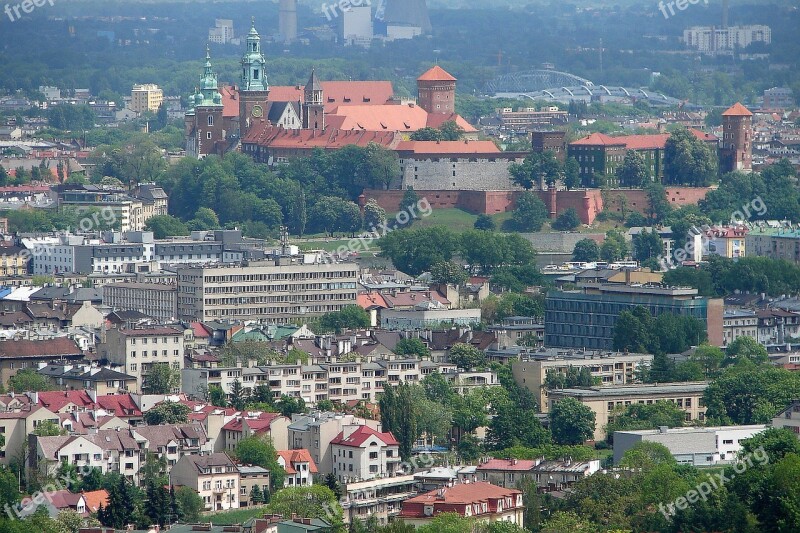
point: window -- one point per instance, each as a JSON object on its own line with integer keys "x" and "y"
{"x": 373, "y": 455}
{"x": 210, "y": 120}
{"x": 727, "y": 441}
{"x": 208, "y": 135}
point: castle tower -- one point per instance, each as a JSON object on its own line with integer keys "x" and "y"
{"x": 205, "y": 130}
{"x": 736, "y": 151}
{"x": 287, "y": 20}
{"x": 313, "y": 104}
{"x": 254, "y": 89}
{"x": 437, "y": 91}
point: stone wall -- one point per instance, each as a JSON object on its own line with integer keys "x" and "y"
{"x": 459, "y": 174}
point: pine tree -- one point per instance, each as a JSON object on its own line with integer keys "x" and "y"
{"x": 255, "y": 495}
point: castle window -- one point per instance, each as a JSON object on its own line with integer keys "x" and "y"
{"x": 210, "y": 120}
{"x": 208, "y": 135}
{"x": 255, "y": 74}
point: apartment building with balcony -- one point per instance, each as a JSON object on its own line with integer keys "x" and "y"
{"x": 480, "y": 501}
{"x": 380, "y": 498}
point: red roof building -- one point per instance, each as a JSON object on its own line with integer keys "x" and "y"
{"x": 299, "y": 467}
{"x": 481, "y": 501}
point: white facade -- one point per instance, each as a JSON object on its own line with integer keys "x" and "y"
{"x": 711, "y": 39}
{"x": 368, "y": 458}
{"x": 135, "y": 351}
{"x": 357, "y": 26}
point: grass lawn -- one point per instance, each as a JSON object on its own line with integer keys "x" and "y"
{"x": 236, "y": 516}
{"x": 456, "y": 219}
{"x": 328, "y": 246}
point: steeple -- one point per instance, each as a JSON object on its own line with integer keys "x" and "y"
{"x": 254, "y": 75}
{"x": 209, "y": 89}
{"x": 313, "y": 90}
{"x": 313, "y": 107}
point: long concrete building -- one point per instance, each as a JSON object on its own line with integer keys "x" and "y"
{"x": 273, "y": 291}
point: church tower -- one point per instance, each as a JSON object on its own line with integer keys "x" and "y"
{"x": 205, "y": 132}
{"x": 313, "y": 104}
{"x": 254, "y": 89}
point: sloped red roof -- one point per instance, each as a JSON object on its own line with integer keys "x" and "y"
{"x": 435, "y": 120}
{"x": 637, "y": 142}
{"x": 38, "y": 348}
{"x": 436, "y": 73}
{"x": 293, "y": 457}
{"x": 358, "y": 437}
{"x": 737, "y": 110}
{"x": 463, "y": 493}
{"x": 277, "y": 137}
{"x": 56, "y": 400}
{"x": 371, "y": 299}
{"x": 199, "y": 330}
{"x": 95, "y": 498}
{"x": 338, "y": 93}
{"x": 122, "y": 405}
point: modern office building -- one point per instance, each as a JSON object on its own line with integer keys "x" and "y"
{"x": 158, "y": 300}
{"x": 277, "y": 290}
{"x": 585, "y": 318}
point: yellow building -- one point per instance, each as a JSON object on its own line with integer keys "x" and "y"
{"x": 147, "y": 97}
{"x": 13, "y": 261}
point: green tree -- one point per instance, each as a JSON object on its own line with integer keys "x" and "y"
{"x": 289, "y": 405}
{"x": 167, "y": 413}
{"x": 409, "y": 204}
{"x": 586, "y": 251}
{"x": 688, "y": 160}
{"x": 374, "y": 216}
{"x": 164, "y": 226}
{"x": 350, "y": 317}
{"x": 217, "y": 396}
{"x": 315, "y": 501}
{"x": 644, "y": 416}
{"x": 28, "y": 380}
{"x": 190, "y": 505}
{"x": 614, "y": 247}
{"x": 748, "y": 394}
{"x": 255, "y": 495}
{"x": 530, "y": 213}
{"x": 567, "y": 221}
{"x": 448, "y": 523}
{"x": 49, "y": 428}
{"x": 538, "y": 168}
{"x": 571, "y": 422}
{"x": 415, "y": 251}
{"x": 261, "y": 452}
{"x": 633, "y": 172}
{"x": 239, "y": 395}
{"x": 466, "y": 356}
{"x": 658, "y": 207}
{"x": 647, "y": 455}
{"x": 485, "y": 222}
{"x": 647, "y": 245}
{"x": 204, "y": 219}
{"x": 413, "y": 347}
{"x": 447, "y": 272}
{"x": 162, "y": 379}
{"x": 745, "y": 348}
{"x": 572, "y": 174}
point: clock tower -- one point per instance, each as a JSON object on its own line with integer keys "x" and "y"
{"x": 254, "y": 89}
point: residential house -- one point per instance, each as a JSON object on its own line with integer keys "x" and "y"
{"x": 16, "y": 424}
{"x": 16, "y": 355}
{"x": 248, "y": 424}
{"x": 135, "y": 351}
{"x": 214, "y": 476}
{"x": 480, "y": 501}
{"x": 314, "y": 432}
{"x": 361, "y": 453}
{"x": 250, "y": 477}
{"x": 87, "y": 377}
{"x": 789, "y": 418}
{"x": 299, "y": 467}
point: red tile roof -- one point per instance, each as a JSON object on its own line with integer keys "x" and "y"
{"x": 436, "y": 120}
{"x": 329, "y": 139}
{"x": 737, "y": 110}
{"x": 56, "y": 400}
{"x": 122, "y": 405}
{"x": 337, "y": 93}
{"x": 371, "y": 299}
{"x": 436, "y": 73}
{"x": 230, "y": 101}
{"x": 199, "y": 330}
{"x": 637, "y": 142}
{"x": 448, "y": 147}
{"x": 95, "y": 498}
{"x": 358, "y": 437}
{"x": 38, "y": 348}
{"x": 293, "y": 457}
{"x": 389, "y": 117}
{"x": 455, "y": 498}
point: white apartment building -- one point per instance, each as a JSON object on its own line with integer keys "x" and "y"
{"x": 710, "y": 39}
{"x": 146, "y": 97}
{"x": 274, "y": 291}
{"x": 739, "y": 323}
{"x": 222, "y": 32}
{"x": 316, "y": 431}
{"x": 361, "y": 453}
{"x": 135, "y": 351}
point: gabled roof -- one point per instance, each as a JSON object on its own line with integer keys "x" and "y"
{"x": 56, "y": 400}
{"x": 436, "y": 73}
{"x": 336, "y": 93}
{"x": 59, "y": 346}
{"x": 448, "y": 147}
{"x": 94, "y": 499}
{"x": 508, "y": 465}
{"x": 202, "y": 462}
{"x": 358, "y": 437}
{"x": 737, "y": 110}
{"x": 294, "y": 457}
{"x": 463, "y": 493}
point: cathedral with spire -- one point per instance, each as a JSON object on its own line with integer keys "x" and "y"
{"x": 273, "y": 124}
